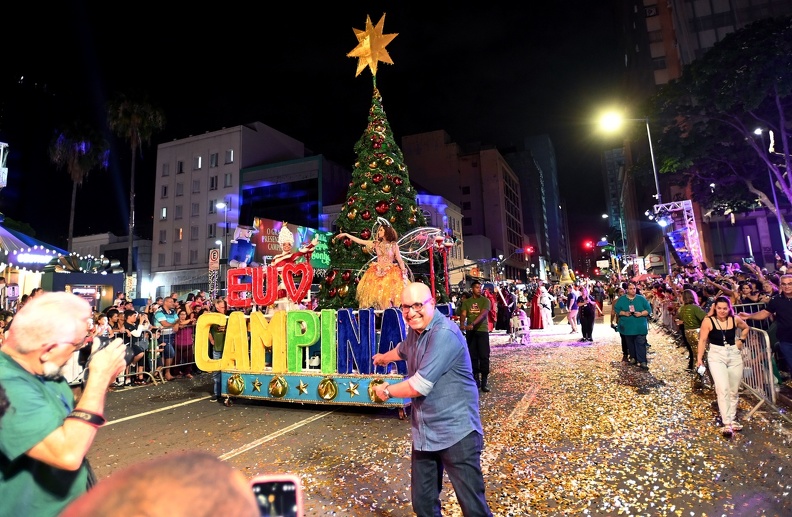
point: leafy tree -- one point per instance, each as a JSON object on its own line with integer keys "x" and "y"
{"x": 79, "y": 149}
{"x": 135, "y": 120}
{"x": 710, "y": 114}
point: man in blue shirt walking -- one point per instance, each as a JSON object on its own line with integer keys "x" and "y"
{"x": 446, "y": 426}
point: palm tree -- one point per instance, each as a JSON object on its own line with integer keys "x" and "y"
{"x": 79, "y": 149}
{"x": 135, "y": 120}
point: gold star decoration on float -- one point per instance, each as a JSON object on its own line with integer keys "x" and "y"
{"x": 302, "y": 388}
{"x": 257, "y": 385}
{"x": 353, "y": 389}
{"x": 371, "y": 46}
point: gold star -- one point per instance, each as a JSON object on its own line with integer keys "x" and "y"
{"x": 302, "y": 388}
{"x": 257, "y": 385}
{"x": 353, "y": 389}
{"x": 371, "y": 46}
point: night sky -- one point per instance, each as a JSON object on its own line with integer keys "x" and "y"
{"x": 491, "y": 74}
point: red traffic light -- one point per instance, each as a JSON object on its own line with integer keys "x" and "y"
{"x": 588, "y": 245}
{"x": 529, "y": 249}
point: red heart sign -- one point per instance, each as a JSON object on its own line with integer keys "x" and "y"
{"x": 294, "y": 293}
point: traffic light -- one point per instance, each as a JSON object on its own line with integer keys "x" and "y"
{"x": 529, "y": 250}
{"x": 589, "y": 245}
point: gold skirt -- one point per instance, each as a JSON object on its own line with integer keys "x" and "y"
{"x": 380, "y": 287}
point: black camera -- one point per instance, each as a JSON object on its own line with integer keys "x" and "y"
{"x": 100, "y": 342}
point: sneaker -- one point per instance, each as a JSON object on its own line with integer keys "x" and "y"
{"x": 485, "y": 389}
{"x": 726, "y": 430}
{"x": 736, "y": 426}
{"x": 632, "y": 360}
{"x": 644, "y": 366}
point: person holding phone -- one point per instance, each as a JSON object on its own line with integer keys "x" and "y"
{"x": 633, "y": 311}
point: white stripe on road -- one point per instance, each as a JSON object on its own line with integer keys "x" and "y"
{"x": 167, "y": 408}
{"x": 265, "y": 439}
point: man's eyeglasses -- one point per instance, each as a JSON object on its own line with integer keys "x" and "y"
{"x": 415, "y": 306}
{"x": 786, "y": 284}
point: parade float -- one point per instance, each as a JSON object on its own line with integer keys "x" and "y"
{"x": 282, "y": 345}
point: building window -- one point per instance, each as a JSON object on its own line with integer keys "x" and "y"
{"x": 179, "y": 167}
{"x": 179, "y": 234}
{"x": 193, "y": 256}
{"x": 213, "y": 160}
{"x": 467, "y": 221}
{"x": 163, "y": 236}
{"x": 164, "y": 192}
{"x": 213, "y": 183}
{"x": 228, "y": 180}
{"x": 163, "y": 214}
{"x": 195, "y": 209}
{"x": 165, "y": 169}
{"x": 176, "y": 258}
{"x": 161, "y": 259}
{"x": 465, "y": 205}
{"x": 196, "y": 186}
{"x": 197, "y": 162}
{"x": 179, "y": 189}
{"x": 177, "y": 212}
{"x": 465, "y": 191}
{"x": 229, "y": 156}
{"x": 211, "y": 231}
{"x": 193, "y": 233}
{"x": 212, "y": 207}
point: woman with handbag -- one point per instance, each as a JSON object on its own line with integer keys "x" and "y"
{"x": 587, "y": 309}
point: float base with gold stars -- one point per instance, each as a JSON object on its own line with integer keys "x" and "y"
{"x": 310, "y": 387}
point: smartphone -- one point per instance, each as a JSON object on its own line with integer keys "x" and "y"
{"x": 278, "y": 495}
{"x": 632, "y": 308}
{"x": 748, "y": 260}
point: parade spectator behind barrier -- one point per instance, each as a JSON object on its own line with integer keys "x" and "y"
{"x": 185, "y": 352}
{"x": 175, "y": 485}
{"x": 634, "y": 310}
{"x": 44, "y": 438}
{"x": 217, "y": 335}
{"x": 690, "y": 315}
{"x": 445, "y": 421}
{"x": 133, "y": 341}
{"x": 168, "y": 320}
{"x": 780, "y": 309}
{"x": 475, "y": 311}
{"x": 587, "y": 309}
{"x": 719, "y": 332}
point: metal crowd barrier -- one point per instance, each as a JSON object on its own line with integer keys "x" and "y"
{"x": 751, "y": 308}
{"x": 758, "y": 375}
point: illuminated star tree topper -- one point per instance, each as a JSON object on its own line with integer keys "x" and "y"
{"x": 371, "y": 46}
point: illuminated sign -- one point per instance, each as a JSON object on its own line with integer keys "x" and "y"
{"x": 266, "y": 241}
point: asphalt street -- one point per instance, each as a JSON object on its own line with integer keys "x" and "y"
{"x": 569, "y": 430}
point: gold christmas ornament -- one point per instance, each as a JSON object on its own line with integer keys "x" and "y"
{"x": 372, "y": 165}
{"x": 371, "y": 46}
{"x": 328, "y": 389}
{"x": 352, "y": 214}
{"x": 386, "y": 189}
{"x": 373, "y": 394}
{"x": 412, "y": 220}
{"x": 342, "y": 292}
{"x": 364, "y": 185}
{"x": 278, "y": 386}
{"x": 235, "y": 385}
{"x": 393, "y": 219}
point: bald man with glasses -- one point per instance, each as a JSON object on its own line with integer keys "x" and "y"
{"x": 780, "y": 308}
{"x": 446, "y": 426}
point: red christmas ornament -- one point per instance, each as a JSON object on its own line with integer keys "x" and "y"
{"x": 399, "y": 208}
{"x": 398, "y": 181}
{"x": 376, "y": 178}
{"x": 351, "y": 200}
{"x": 331, "y": 276}
{"x": 332, "y": 292}
{"x": 348, "y": 242}
{"x": 366, "y": 215}
{"x": 381, "y": 207}
{"x": 365, "y": 234}
{"x": 345, "y": 276}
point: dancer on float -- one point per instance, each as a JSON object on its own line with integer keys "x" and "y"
{"x": 381, "y": 285}
{"x": 288, "y": 256}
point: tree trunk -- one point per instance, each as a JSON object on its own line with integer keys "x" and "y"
{"x": 71, "y": 215}
{"x": 131, "y": 236}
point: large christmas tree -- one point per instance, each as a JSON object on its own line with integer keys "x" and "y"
{"x": 380, "y": 185}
